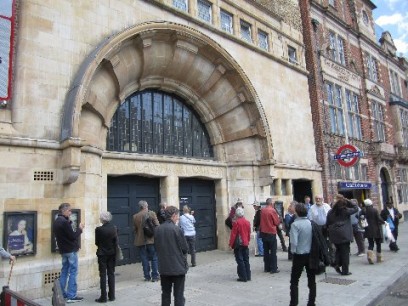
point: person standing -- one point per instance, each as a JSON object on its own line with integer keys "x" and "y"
{"x": 341, "y": 232}
{"x": 68, "y": 245}
{"x": 187, "y": 222}
{"x": 300, "y": 246}
{"x": 106, "y": 239}
{"x": 307, "y": 203}
{"x": 269, "y": 223}
{"x": 373, "y": 232}
{"x": 146, "y": 244}
{"x": 289, "y": 218}
{"x": 392, "y": 216}
{"x": 231, "y": 216}
{"x": 241, "y": 232}
{"x": 358, "y": 231}
{"x": 257, "y": 223}
{"x": 172, "y": 250}
{"x": 161, "y": 213}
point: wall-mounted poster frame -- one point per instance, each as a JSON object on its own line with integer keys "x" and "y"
{"x": 20, "y": 232}
{"x": 75, "y": 220}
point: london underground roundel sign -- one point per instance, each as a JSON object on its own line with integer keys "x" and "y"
{"x": 347, "y": 155}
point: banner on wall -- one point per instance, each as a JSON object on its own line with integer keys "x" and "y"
{"x": 6, "y": 47}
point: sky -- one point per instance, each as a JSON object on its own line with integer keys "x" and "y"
{"x": 392, "y": 16}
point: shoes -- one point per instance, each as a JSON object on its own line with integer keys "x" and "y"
{"x": 360, "y": 254}
{"x": 74, "y": 300}
{"x": 274, "y": 272}
{"x": 347, "y": 273}
{"x": 101, "y": 300}
{"x": 259, "y": 255}
{"x": 267, "y": 271}
{"x": 338, "y": 270}
{"x": 241, "y": 280}
{"x": 284, "y": 249}
{"x": 111, "y": 299}
{"x": 147, "y": 279}
{"x": 155, "y": 279}
{"x": 193, "y": 265}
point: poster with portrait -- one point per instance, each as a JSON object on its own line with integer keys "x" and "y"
{"x": 20, "y": 232}
{"x": 75, "y": 219}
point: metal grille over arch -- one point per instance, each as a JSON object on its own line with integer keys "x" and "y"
{"x": 154, "y": 122}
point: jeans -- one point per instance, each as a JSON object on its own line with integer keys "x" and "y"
{"x": 106, "y": 264}
{"x": 191, "y": 248}
{"x": 377, "y": 243}
{"x": 300, "y": 261}
{"x": 242, "y": 259}
{"x": 259, "y": 243}
{"x": 270, "y": 246}
{"x": 69, "y": 271}
{"x": 148, "y": 254}
{"x": 167, "y": 282}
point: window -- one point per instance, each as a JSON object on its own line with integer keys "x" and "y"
{"x": 356, "y": 172}
{"x": 263, "y": 40}
{"x": 404, "y": 124}
{"x": 226, "y": 22}
{"x": 204, "y": 10}
{"x": 379, "y": 126}
{"x": 349, "y": 173}
{"x": 336, "y": 51}
{"x": 365, "y": 18}
{"x": 372, "y": 66}
{"x": 337, "y": 171}
{"x": 395, "y": 84}
{"x": 354, "y": 118}
{"x": 292, "y": 55}
{"x": 334, "y": 97}
{"x": 181, "y": 4}
{"x": 364, "y": 172}
{"x": 155, "y": 122}
{"x": 246, "y": 31}
{"x": 403, "y": 186}
{"x": 284, "y": 188}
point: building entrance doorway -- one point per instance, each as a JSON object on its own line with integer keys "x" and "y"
{"x": 301, "y": 188}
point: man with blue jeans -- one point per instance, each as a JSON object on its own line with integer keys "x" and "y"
{"x": 145, "y": 244}
{"x": 68, "y": 245}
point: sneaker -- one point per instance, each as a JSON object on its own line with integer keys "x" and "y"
{"x": 75, "y": 299}
{"x": 361, "y": 254}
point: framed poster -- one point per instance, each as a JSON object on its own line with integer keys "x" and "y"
{"x": 75, "y": 221}
{"x": 20, "y": 232}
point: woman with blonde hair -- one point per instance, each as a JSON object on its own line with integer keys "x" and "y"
{"x": 186, "y": 223}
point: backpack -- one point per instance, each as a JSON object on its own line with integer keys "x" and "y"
{"x": 148, "y": 227}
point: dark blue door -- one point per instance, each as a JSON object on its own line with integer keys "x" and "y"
{"x": 200, "y": 196}
{"x": 124, "y": 194}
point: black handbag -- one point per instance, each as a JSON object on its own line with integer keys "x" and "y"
{"x": 238, "y": 241}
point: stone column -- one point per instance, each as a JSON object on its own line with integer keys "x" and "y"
{"x": 222, "y": 211}
{"x": 169, "y": 190}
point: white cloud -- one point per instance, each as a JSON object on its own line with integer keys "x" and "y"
{"x": 402, "y": 46}
{"x": 392, "y": 4}
{"x": 389, "y": 20}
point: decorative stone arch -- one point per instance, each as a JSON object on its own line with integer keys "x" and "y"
{"x": 176, "y": 59}
{"x": 386, "y": 185}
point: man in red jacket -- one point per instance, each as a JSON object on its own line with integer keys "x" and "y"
{"x": 269, "y": 222}
{"x": 239, "y": 241}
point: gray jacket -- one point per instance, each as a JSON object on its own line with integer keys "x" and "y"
{"x": 171, "y": 248}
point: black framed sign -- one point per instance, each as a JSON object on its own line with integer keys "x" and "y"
{"x": 20, "y": 232}
{"x": 75, "y": 221}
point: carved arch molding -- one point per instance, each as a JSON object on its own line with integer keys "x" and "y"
{"x": 176, "y": 59}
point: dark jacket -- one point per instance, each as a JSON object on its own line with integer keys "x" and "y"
{"x": 319, "y": 250}
{"x": 106, "y": 239}
{"x": 339, "y": 224}
{"x": 257, "y": 220}
{"x": 385, "y": 213}
{"x": 373, "y": 230}
{"x": 67, "y": 239}
{"x": 171, "y": 248}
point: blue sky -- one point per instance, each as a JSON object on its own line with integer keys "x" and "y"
{"x": 392, "y": 16}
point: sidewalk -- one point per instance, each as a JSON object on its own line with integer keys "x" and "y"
{"x": 213, "y": 282}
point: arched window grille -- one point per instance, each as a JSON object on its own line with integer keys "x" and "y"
{"x": 155, "y": 122}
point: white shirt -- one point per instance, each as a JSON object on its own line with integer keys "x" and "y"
{"x": 318, "y": 214}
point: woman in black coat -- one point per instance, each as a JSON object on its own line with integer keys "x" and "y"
{"x": 106, "y": 240}
{"x": 373, "y": 232}
{"x": 341, "y": 232}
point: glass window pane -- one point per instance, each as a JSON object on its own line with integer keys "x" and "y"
{"x": 226, "y": 21}
{"x": 263, "y": 40}
{"x": 246, "y": 31}
{"x": 147, "y": 123}
{"x": 180, "y": 4}
{"x": 204, "y": 10}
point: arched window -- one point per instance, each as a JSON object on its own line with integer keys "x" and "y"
{"x": 155, "y": 122}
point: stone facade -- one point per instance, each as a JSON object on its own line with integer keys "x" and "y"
{"x": 75, "y": 62}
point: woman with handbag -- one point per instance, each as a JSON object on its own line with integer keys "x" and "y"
{"x": 106, "y": 241}
{"x": 373, "y": 232}
{"x": 239, "y": 241}
{"x": 341, "y": 232}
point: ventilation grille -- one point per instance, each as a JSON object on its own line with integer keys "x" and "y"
{"x": 44, "y": 176}
{"x": 49, "y": 277}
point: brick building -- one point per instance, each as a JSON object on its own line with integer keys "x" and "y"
{"x": 358, "y": 92}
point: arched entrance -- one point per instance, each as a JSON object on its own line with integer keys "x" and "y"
{"x": 384, "y": 178}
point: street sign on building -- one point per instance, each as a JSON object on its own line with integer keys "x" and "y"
{"x": 347, "y": 155}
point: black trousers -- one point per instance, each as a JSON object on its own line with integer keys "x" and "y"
{"x": 167, "y": 282}
{"x": 299, "y": 262}
{"x": 106, "y": 265}
{"x": 343, "y": 256}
